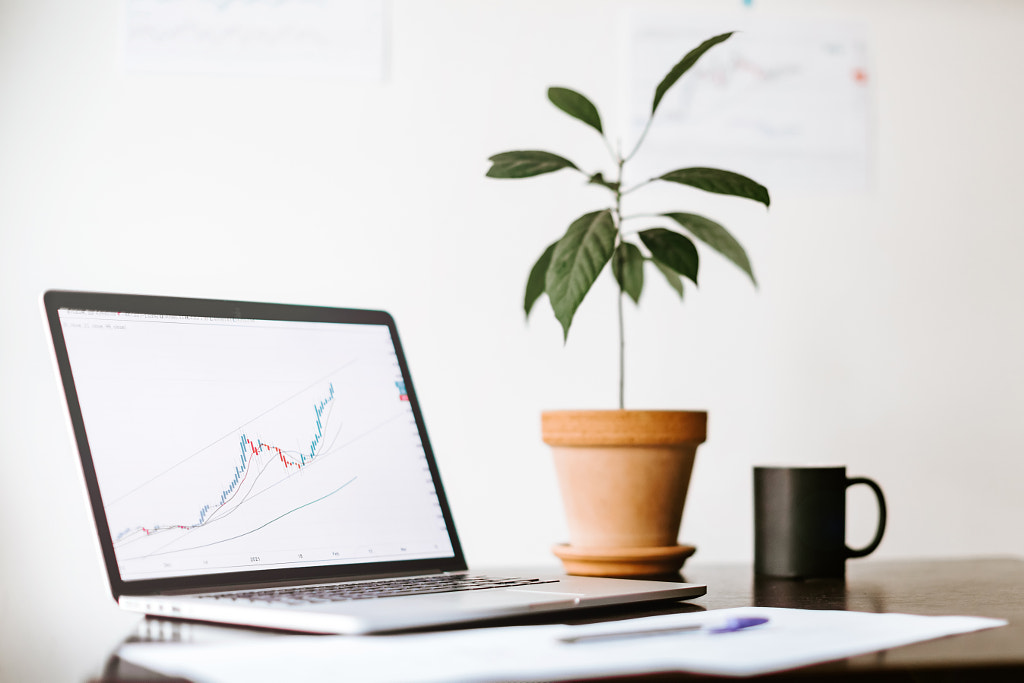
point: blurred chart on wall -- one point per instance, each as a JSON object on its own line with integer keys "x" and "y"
{"x": 785, "y": 102}
{"x": 343, "y": 38}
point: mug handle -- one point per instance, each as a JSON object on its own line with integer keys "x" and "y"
{"x": 870, "y": 548}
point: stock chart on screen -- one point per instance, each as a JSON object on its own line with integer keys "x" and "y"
{"x": 228, "y": 445}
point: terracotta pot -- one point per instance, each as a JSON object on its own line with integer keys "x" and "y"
{"x": 623, "y": 476}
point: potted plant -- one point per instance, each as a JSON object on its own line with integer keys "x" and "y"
{"x": 623, "y": 473}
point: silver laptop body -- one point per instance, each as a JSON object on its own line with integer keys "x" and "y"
{"x": 247, "y": 462}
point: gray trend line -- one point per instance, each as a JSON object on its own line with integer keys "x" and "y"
{"x": 265, "y": 524}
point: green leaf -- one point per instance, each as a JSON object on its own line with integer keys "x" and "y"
{"x": 683, "y": 66}
{"x": 672, "y": 276}
{"x": 576, "y": 105}
{"x": 673, "y": 250}
{"x": 716, "y": 237}
{"x": 720, "y": 182}
{"x": 525, "y": 164}
{"x": 598, "y": 179}
{"x": 628, "y": 268}
{"x": 580, "y": 256}
{"x": 535, "y": 283}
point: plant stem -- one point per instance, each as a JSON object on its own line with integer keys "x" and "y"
{"x": 622, "y": 355}
{"x": 622, "y": 326}
{"x": 639, "y": 185}
{"x": 643, "y": 134}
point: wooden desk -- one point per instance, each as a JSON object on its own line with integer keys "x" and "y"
{"x": 990, "y": 587}
{"x": 978, "y": 587}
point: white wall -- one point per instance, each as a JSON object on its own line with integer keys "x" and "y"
{"x": 886, "y": 333}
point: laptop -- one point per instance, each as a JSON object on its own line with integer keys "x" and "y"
{"x": 267, "y": 465}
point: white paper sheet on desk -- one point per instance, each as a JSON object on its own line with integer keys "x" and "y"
{"x": 790, "y": 639}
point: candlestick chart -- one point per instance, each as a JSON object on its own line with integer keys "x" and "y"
{"x": 235, "y": 501}
{"x": 255, "y": 459}
{"x": 223, "y": 447}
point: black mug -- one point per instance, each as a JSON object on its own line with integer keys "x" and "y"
{"x": 800, "y": 521}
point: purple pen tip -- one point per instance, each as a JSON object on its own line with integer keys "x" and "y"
{"x": 738, "y": 624}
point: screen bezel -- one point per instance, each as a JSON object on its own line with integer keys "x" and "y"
{"x": 55, "y": 300}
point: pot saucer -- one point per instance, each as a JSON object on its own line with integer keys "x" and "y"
{"x": 622, "y": 562}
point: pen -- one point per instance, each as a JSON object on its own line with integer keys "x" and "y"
{"x": 732, "y": 624}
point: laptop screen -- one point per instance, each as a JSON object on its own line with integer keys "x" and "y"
{"x": 234, "y": 444}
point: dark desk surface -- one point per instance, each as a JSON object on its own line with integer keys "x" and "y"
{"x": 990, "y": 587}
{"x": 978, "y": 587}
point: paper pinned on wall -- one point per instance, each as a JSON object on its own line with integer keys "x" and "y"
{"x": 340, "y": 38}
{"x": 784, "y": 102}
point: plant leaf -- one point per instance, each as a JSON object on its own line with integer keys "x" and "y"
{"x": 673, "y": 250}
{"x": 576, "y": 105}
{"x": 716, "y": 237}
{"x": 683, "y": 66}
{"x": 580, "y": 256}
{"x": 720, "y": 182}
{"x": 524, "y": 164}
{"x": 672, "y": 276}
{"x": 598, "y": 179}
{"x": 535, "y": 283}
{"x": 628, "y": 268}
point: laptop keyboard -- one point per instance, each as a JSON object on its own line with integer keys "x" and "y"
{"x": 383, "y": 588}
